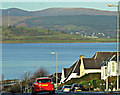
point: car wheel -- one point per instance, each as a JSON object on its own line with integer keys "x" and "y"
{"x": 52, "y": 92}
{"x": 34, "y": 93}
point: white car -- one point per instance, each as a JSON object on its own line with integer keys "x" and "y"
{"x": 66, "y": 88}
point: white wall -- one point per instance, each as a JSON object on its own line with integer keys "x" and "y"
{"x": 110, "y": 68}
{"x": 92, "y": 71}
{"x": 103, "y": 73}
{"x": 73, "y": 75}
{"x": 110, "y": 71}
{"x": 62, "y": 76}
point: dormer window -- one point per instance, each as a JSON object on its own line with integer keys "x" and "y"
{"x": 113, "y": 67}
{"x": 105, "y": 71}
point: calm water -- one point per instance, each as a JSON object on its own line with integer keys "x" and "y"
{"x": 20, "y": 58}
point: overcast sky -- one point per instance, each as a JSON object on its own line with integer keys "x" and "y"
{"x": 34, "y": 5}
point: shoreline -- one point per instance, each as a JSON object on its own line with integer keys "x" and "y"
{"x": 54, "y": 42}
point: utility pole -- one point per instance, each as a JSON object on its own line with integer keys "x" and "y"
{"x": 56, "y": 71}
{"x": 118, "y": 47}
{"x": 56, "y": 68}
{"x": 8, "y": 17}
{"x": 110, "y": 5}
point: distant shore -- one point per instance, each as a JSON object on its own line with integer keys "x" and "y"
{"x": 60, "y": 42}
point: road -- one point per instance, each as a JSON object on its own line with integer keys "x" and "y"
{"x": 63, "y": 93}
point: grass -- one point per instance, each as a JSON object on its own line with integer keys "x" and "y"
{"x": 56, "y": 39}
{"x": 35, "y": 35}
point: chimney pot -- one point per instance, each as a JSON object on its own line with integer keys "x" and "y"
{"x": 82, "y": 56}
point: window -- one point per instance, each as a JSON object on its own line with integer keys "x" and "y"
{"x": 43, "y": 80}
{"x": 105, "y": 71}
{"x": 109, "y": 68}
{"x": 113, "y": 67}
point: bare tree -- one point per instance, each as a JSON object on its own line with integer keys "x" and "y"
{"x": 41, "y": 72}
{"x": 26, "y": 77}
{"x": 3, "y": 78}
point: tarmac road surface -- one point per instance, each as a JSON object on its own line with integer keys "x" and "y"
{"x": 63, "y": 93}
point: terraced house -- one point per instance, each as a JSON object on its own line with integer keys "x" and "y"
{"x": 109, "y": 67}
{"x": 85, "y": 66}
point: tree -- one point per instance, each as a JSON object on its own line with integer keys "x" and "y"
{"x": 3, "y": 78}
{"x": 41, "y": 72}
{"x": 26, "y": 77}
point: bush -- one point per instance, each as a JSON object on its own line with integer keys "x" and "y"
{"x": 15, "y": 89}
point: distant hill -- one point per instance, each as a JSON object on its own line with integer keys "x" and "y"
{"x": 15, "y": 12}
{"x": 56, "y": 12}
{"x": 82, "y": 21}
{"x": 12, "y": 34}
{"x": 90, "y": 25}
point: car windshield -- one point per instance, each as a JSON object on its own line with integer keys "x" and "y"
{"x": 67, "y": 87}
{"x": 43, "y": 80}
{"x": 76, "y": 85}
{"x": 81, "y": 85}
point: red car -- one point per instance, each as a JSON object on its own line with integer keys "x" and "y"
{"x": 43, "y": 84}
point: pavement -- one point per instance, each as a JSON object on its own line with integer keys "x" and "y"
{"x": 67, "y": 93}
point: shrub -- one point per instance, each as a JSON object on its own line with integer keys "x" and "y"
{"x": 15, "y": 88}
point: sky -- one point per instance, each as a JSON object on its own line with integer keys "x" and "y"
{"x": 34, "y": 5}
{"x": 59, "y": 0}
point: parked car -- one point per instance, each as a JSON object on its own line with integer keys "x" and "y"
{"x": 60, "y": 89}
{"x": 43, "y": 84}
{"x": 77, "y": 87}
{"x": 66, "y": 88}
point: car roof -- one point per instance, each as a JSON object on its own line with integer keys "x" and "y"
{"x": 75, "y": 83}
{"x": 66, "y": 85}
{"x": 43, "y": 78}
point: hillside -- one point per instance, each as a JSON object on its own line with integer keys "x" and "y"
{"x": 80, "y": 21}
{"x": 90, "y": 25}
{"x": 14, "y": 34}
{"x": 56, "y": 12}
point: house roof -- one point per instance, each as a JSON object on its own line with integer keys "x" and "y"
{"x": 115, "y": 58}
{"x": 53, "y": 77}
{"x": 73, "y": 69}
{"x": 112, "y": 58}
{"x": 96, "y": 61}
{"x": 89, "y": 63}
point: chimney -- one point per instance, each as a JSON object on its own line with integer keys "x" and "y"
{"x": 82, "y": 69}
{"x": 82, "y": 56}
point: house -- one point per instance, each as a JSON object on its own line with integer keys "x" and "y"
{"x": 8, "y": 83}
{"x": 109, "y": 68}
{"x": 53, "y": 77}
{"x": 85, "y": 66}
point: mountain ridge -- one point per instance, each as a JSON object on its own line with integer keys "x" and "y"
{"x": 56, "y": 12}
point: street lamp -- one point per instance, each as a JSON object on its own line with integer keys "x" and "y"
{"x": 100, "y": 86}
{"x": 103, "y": 86}
{"x": 56, "y": 68}
{"x": 110, "y": 5}
{"x": 89, "y": 86}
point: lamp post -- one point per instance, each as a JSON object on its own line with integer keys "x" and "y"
{"x": 100, "y": 86}
{"x": 110, "y": 5}
{"x": 89, "y": 85}
{"x": 56, "y": 67}
{"x": 103, "y": 86}
{"x": 111, "y": 86}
